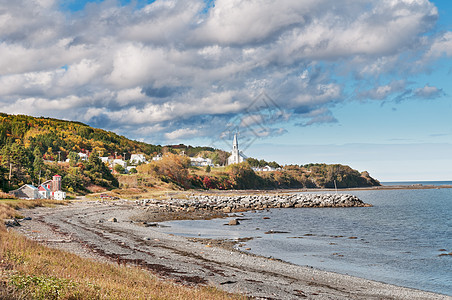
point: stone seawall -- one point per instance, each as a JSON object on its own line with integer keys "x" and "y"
{"x": 228, "y": 204}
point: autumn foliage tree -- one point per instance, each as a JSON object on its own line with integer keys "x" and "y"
{"x": 171, "y": 167}
{"x": 242, "y": 176}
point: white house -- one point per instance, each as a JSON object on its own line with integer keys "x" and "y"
{"x": 44, "y": 191}
{"x": 201, "y": 162}
{"x": 137, "y": 159}
{"x": 105, "y": 159}
{"x": 236, "y": 157}
{"x": 120, "y": 162}
{"x": 157, "y": 157}
{"x": 59, "y": 195}
{"x": 83, "y": 156}
{"x": 265, "y": 169}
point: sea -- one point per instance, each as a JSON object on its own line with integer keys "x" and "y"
{"x": 404, "y": 239}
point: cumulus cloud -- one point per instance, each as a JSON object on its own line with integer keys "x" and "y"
{"x": 382, "y": 92}
{"x": 428, "y": 92}
{"x": 169, "y": 69}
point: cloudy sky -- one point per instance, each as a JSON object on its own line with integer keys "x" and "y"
{"x": 361, "y": 82}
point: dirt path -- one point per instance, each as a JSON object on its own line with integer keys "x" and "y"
{"x": 84, "y": 228}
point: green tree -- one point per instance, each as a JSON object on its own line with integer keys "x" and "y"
{"x": 38, "y": 164}
{"x": 120, "y": 169}
{"x": 243, "y": 177}
{"x": 208, "y": 169}
{"x": 98, "y": 172}
{"x": 73, "y": 158}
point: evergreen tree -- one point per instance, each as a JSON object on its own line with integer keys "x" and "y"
{"x": 38, "y": 164}
{"x": 98, "y": 172}
{"x": 73, "y": 158}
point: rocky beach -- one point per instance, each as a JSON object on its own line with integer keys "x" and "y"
{"x": 111, "y": 231}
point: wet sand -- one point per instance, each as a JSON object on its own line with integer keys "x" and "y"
{"x": 88, "y": 229}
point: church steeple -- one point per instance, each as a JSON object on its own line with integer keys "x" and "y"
{"x": 235, "y": 143}
{"x": 235, "y": 157}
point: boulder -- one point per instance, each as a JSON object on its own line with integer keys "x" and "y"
{"x": 113, "y": 220}
{"x": 233, "y": 222}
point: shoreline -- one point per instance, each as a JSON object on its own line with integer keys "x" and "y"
{"x": 84, "y": 228}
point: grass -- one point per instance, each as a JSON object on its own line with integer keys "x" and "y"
{"x": 29, "y": 270}
{"x": 10, "y": 208}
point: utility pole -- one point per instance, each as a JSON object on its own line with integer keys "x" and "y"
{"x": 59, "y": 156}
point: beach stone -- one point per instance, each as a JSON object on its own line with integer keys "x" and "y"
{"x": 233, "y": 222}
{"x": 227, "y": 209}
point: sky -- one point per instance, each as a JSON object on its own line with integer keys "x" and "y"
{"x": 366, "y": 83}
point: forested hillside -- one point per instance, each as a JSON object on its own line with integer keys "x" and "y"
{"x": 32, "y": 150}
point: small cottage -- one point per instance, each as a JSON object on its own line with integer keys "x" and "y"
{"x": 26, "y": 191}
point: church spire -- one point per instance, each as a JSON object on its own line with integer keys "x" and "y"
{"x": 235, "y": 157}
{"x": 235, "y": 143}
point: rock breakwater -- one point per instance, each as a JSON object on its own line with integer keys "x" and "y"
{"x": 227, "y": 204}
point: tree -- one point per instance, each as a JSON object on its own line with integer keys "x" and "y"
{"x": 16, "y": 158}
{"x": 208, "y": 169}
{"x": 118, "y": 168}
{"x": 242, "y": 176}
{"x": 171, "y": 166}
{"x": 38, "y": 164}
{"x": 73, "y": 158}
{"x": 98, "y": 172}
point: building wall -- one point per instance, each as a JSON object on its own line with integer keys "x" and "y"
{"x": 26, "y": 192}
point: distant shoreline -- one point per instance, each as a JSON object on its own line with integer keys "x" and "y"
{"x": 317, "y": 190}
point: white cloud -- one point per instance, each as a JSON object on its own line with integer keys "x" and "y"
{"x": 169, "y": 65}
{"x": 382, "y": 92}
{"x": 181, "y": 133}
{"x": 441, "y": 46}
{"x": 428, "y": 92}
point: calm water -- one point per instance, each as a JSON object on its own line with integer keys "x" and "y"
{"x": 436, "y": 183}
{"x": 397, "y": 241}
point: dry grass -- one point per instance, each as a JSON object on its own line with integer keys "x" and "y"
{"x": 9, "y": 208}
{"x": 29, "y": 270}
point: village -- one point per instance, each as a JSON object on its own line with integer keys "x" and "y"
{"x": 52, "y": 189}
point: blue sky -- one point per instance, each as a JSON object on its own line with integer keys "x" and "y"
{"x": 366, "y": 84}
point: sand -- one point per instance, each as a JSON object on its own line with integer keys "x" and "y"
{"x": 88, "y": 229}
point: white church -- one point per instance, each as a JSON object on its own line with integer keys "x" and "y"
{"x": 236, "y": 157}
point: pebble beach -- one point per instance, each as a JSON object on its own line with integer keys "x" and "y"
{"x": 111, "y": 231}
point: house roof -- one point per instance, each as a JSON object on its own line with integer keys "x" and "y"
{"x": 43, "y": 188}
{"x": 28, "y": 186}
{"x": 56, "y": 175}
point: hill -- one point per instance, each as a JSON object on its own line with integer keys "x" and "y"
{"x": 33, "y": 149}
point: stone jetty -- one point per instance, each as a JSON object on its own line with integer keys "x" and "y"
{"x": 227, "y": 204}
